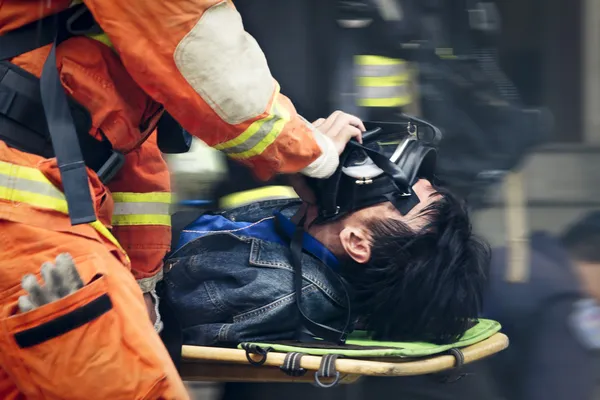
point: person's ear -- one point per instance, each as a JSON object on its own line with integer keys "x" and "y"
{"x": 356, "y": 243}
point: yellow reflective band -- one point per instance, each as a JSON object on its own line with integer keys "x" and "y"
{"x": 29, "y": 186}
{"x": 141, "y": 219}
{"x": 34, "y": 199}
{"x": 152, "y": 197}
{"x": 377, "y": 60}
{"x": 280, "y": 117}
{"x": 102, "y": 38}
{"x": 251, "y": 130}
{"x": 141, "y": 208}
{"x": 445, "y": 52}
{"x": 394, "y": 102}
{"x": 97, "y": 225}
{"x": 383, "y": 80}
{"x": 249, "y": 196}
{"x": 30, "y": 174}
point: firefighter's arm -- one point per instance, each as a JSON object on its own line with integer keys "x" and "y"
{"x": 141, "y": 220}
{"x": 195, "y": 58}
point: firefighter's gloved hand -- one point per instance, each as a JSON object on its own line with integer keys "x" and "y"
{"x": 59, "y": 280}
{"x": 340, "y": 127}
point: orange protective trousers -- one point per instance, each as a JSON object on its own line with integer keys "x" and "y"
{"x": 97, "y": 343}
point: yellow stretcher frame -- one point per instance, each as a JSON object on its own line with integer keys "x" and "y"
{"x": 215, "y": 364}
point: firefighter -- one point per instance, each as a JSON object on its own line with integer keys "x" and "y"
{"x": 83, "y": 86}
{"x": 380, "y": 79}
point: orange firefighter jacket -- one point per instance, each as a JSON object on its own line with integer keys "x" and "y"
{"x": 194, "y": 58}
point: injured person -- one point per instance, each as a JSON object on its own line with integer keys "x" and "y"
{"x": 382, "y": 250}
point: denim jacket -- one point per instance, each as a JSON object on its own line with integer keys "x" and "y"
{"x": 226, "y": 287}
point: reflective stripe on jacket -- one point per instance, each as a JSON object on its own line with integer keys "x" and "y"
{"x": 382, "y": 81}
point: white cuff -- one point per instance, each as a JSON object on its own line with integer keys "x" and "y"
{"x": 149, "y": 284}
{"x": 324, "y": 166}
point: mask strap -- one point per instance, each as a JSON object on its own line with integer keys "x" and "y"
{"x": 406, "y": 203}
{"x": 329, "y": 194}
{"x": 307, "y": 328}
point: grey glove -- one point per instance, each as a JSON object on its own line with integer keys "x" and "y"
{"x": 60, "y": 280}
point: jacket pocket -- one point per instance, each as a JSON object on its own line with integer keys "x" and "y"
{"x": 78, "y": 347}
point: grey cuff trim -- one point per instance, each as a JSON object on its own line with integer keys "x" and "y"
{"x": 149, "y": 284}
{"x": 158, "y": 325}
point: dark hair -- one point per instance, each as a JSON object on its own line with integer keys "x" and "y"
{"x": 582, "y": 239}
{"x": 426, "y": 285}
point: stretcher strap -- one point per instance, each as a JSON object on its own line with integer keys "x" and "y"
{"x": 327, "y": 370}
{"x": 454, "y": 374}
{"x": 254, "y": 349}
{"x": 291, "y": 365}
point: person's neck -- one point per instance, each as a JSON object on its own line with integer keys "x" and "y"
{"x": 327, "y": 234}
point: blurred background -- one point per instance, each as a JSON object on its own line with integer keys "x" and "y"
{"x": 515, "y": 87}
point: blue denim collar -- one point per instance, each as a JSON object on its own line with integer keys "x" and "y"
{"x": 309, "y": 244}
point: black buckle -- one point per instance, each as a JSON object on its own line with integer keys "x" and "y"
{"x": 329, "y": 214}
{"x": 327, "y": 370}
{"x": 82, "y": 22}
{"x": 251, "y": 348}
{"x": 110, "y": 168}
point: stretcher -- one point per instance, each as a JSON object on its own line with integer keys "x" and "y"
{"x": 327, "y": 366}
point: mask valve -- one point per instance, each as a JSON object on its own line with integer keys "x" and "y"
{"x": 364, "y": 181}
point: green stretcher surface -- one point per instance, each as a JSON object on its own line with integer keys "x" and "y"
{"x": 359, "y": 345}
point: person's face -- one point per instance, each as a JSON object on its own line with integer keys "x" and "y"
{"x": 589, "y": 276}
{"x": 355, "y": 236}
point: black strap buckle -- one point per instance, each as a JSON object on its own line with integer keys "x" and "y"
{"x": 251, "y": 348}
{"x": 111, "y": 166}
{"x": 327, "y": 370}
{"x": 455, "y": 374}
{"x": 330, "y": 213}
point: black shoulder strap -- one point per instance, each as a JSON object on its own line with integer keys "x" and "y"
{"x": 66, "y": 143}
{"x": 56, "y": 108}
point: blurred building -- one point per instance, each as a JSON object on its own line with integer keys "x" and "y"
{"x": 551, "y": 50}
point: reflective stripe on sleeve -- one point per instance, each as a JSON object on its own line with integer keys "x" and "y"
{"x": 141, "y": 208}
{"x": 259, "y": 135}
